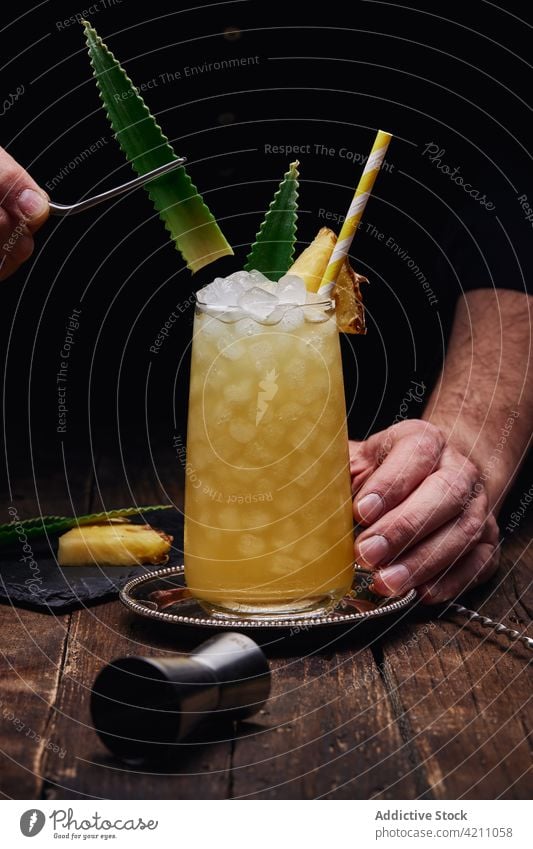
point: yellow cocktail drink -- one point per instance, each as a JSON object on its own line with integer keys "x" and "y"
{"x": 268, "y": 511}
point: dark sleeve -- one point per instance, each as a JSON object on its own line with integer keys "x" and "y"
{"x": 492, "y": 248}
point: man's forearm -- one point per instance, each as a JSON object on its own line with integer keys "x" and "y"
{"x": 483, "y": 400}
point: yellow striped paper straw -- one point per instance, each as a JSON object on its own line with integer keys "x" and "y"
{"x": 355, "y": 212}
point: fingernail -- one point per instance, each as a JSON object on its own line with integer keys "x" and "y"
{"x": 370, "y": 507}
{"x": 373, "y": 550}
{"x": 395, "y": 577}
{"x": 31, "y": 203}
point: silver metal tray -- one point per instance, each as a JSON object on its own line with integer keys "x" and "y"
{"x": 162, "y": 595}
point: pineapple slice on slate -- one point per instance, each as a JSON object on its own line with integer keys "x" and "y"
{"x": 113, "y": 544}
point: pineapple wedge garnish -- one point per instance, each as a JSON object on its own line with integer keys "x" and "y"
{"x": 113, "y": 544}
{"x": 311, "y": 264}
{"x": 349, "y": 307}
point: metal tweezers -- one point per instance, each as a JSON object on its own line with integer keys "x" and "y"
{"x": 82, "y": 205}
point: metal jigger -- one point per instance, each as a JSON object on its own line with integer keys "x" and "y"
{"x": 142, "y": 706}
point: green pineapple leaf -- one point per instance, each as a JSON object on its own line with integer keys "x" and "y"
{"x": 42, "y": 526}
{"x": 273, "y": 249}
{"x": 183, "y": 211}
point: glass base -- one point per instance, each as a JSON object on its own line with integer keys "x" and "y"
{"x": 295, "y": 609}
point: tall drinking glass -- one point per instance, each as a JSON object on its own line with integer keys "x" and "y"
{"x": 268, "y": 512}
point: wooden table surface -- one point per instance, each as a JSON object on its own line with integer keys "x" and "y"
{"x": 427, "y": 709}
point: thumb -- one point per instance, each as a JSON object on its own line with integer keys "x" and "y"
{"x": 20, "y": 196}
{"x": 33, "y": 207}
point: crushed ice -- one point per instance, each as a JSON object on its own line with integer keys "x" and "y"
{"x": 249, "y": 294}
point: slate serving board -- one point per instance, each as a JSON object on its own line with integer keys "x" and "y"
{"x": 40, "y": 584}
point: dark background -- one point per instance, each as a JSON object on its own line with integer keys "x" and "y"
{"x": 328, "y": 77}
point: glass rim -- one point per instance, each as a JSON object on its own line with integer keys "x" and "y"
{"x": 327, "y": 302}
